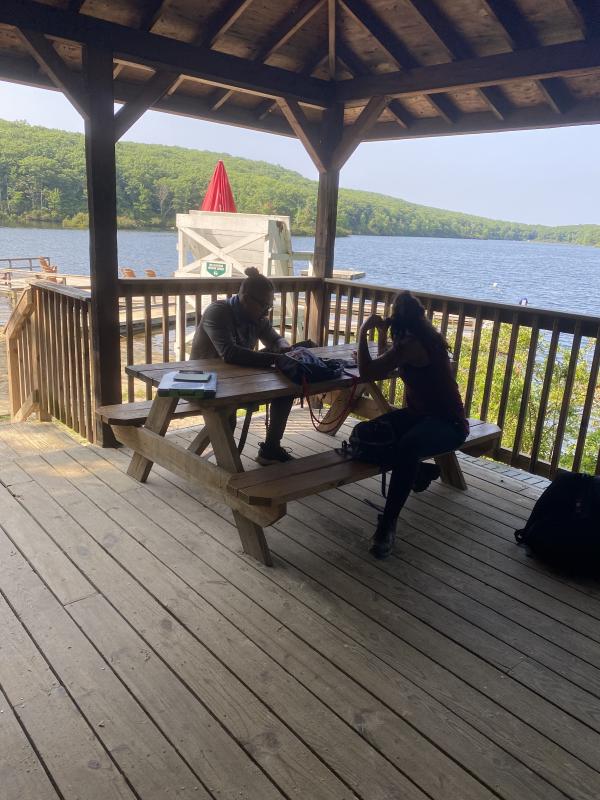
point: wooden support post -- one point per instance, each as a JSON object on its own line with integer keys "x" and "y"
{"x": 102, "y": 204}
{"x": 324, "y": 253}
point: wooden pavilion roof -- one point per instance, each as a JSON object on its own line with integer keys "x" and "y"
{"x": 399, "y": 68}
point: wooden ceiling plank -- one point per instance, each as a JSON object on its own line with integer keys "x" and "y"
{"x": 587, "y": 14}
{"x": 150, "y": 92}
{"x": 521, "y": 36}
{"x": 277, "y": 38}
{"x": 153, "y": 11}
{"x": 48, "y": 59}
{"x": 355, "y": 134}
{"x": 221, "y": 21}
{"x": 551, "y": 61}
{"x": 161, "y": 52}
{"x": 457, "y": 48}
{"x": 304, "y": 131}
{"x": 355, "y": 65}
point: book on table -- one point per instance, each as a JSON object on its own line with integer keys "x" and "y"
{"x": 188, "y": 383}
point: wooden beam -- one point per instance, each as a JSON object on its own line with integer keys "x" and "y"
{"x": 276, "y": 39}
{"x": 306, "y": 132}
{"x": 46, "y": 56}
{"x": 521, "y": 35}
{"x": 354, "y": 65}
{"x": 559, "y": 60}
{"x": 150, "y": 92}
{"x": 331, "y": 36}
{"x": 457, "y": 48}
{"x": 267, "y": 106}
{"x": 75, "y": 5}
{"x": 354, "y": 134}
{"x": 165, "y": 53}
{"x": 102, "y": 204}
{"x": 152, "y": 12}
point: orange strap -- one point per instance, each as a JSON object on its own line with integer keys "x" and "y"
{"x": 343, "y": 413}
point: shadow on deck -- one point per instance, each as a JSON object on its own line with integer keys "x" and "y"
{"x": 143, "y": 656}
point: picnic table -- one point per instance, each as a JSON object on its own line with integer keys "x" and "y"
{"x": 257, "y": 498}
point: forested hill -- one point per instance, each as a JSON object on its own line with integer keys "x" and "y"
{"x": 42, "y": 179}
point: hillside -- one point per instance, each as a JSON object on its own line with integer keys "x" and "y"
{"x": 42, "y": 179}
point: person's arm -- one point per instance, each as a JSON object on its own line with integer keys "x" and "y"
{"x": 218, "y": 323}
{"x": 271, "y": 339}
{"x": 408, "y": 351}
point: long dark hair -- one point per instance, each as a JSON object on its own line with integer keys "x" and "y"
{"x": 408, "y": 317}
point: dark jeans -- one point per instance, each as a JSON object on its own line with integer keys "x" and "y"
{"x": 279, "y": 411}
{"x": 419, "y": 437}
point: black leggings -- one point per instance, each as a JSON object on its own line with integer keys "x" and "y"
{"x": 419, "y": 437}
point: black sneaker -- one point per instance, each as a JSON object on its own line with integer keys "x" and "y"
{"x": 425, "y": 474}
{"x": 272, "y": 454}
{"x": 383, "y": 540}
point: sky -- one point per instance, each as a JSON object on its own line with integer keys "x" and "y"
{"x": 549, "y": 177}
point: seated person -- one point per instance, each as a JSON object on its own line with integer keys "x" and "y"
{"x": 230, "y": 329}
{"x": 433, "y": 421}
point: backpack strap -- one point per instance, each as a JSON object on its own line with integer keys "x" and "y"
{"x": 316, "y": 421}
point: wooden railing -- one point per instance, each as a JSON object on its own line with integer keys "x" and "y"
{"x": 533, "y": 372}
{"x": 49, "y": 365}
{"x": 159, "y": 315}
{"x": 22, "y": 262}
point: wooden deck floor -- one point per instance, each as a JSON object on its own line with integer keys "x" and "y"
{"x": 142, "y": 656}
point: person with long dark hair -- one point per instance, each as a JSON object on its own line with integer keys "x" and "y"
{"x": 433, "y": 420}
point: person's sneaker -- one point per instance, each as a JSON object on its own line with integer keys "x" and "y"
{"x": 270, "y": 454}
{"x": 425, "y": 474}
{"x": 383, "y": 539}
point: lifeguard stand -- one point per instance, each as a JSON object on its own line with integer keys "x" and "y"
{"x": 217, "y": 244}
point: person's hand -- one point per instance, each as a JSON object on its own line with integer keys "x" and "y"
{"x": 374, "y": 321}
{"x": 284, "y": 347}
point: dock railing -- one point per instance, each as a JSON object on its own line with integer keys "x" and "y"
{"x": 533, "y": 372}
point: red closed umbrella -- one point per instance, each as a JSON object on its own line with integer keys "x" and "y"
{"x": 219, "y": 196}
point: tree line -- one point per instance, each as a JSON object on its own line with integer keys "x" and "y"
{"x": 42, "y": 181}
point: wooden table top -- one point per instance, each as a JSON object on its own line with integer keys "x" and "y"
{"x": 237, "y": 384}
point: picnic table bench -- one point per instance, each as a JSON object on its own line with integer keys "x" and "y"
{"x": 258, "y": 497}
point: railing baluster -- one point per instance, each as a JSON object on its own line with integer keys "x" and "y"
{"x": 81, "y": 369}
{"x": 165, "y": 326}
{"x": 349, "y": 312}
{"x": 67, "y": 418}
{"x": 489, "y": 375}
{"x": 510, "y": 360}
{"x": 337, "y": 315}
{"x": 588, "y": 405}
{"x": 72, "y": 369}
{"x": 295, "y": 305}
{"x": 566, "y": 402}
{"x": 148, "y": 338}
{"x": 473, "y": 364}
{"x": 541, "y": 417}
{"x": 444, "y": 322}
{"x": 129, "y": 343}
{"x": 531, "y": 356}
{"x": 42, "y": 356}
{"x": 282, "y": 313}
{"x": 88, "y": 387}
{"x": 460, "y": 327}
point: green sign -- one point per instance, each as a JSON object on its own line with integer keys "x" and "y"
{"x": 216, "y": 268}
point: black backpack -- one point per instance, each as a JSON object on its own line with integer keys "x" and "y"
{"x": 374, "y": 441}
{"x": 302, "y": 366}
{"x": 564, "y": 526}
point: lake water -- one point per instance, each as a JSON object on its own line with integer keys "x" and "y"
{"x": 553, "y": 276}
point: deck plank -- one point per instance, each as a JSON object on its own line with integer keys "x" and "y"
{"x": 457, "y": 668}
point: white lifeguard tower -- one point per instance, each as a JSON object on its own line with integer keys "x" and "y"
{"x": 220, "y": 244}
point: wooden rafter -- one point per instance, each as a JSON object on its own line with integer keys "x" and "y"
{"x": 305, "y": 131}
{"x": 49, "y": 60}
{"x": 267, "y": 106}
{"x": 331, "y": 36}
{"x": 521, "y": 35}
{"x": 457, "y": 47}
{"x": 153, "y": 11}
{"x": 357, "y": 68}
{"x": 75, "y": 5}
{"x": 354, "y": 134}
{"x": 275, "y": 39}
{"x": 587, "y": 14}
{"x": 165, "y": 53}
{"x": 551, "y": 61}
{"x": 221, "y": 21}
{"x": 152, "y": 91}
{"x": 387, "y": 39}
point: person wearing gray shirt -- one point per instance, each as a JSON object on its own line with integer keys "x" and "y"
{"x": 230, "y": 329}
